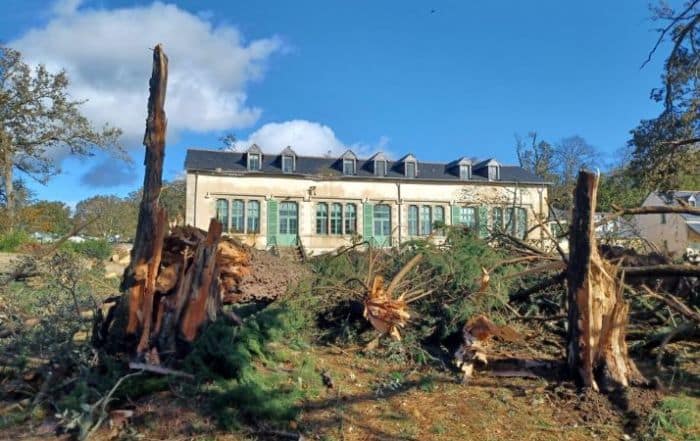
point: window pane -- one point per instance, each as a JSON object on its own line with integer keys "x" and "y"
{"x": 467, "y": 216}
{"x": 411, "y": 169}
{"x": 509, "y": 221}
{"x": 380, "y": 168}
{"x": 222, "y": 213}
{"x": 288, "y": 218}
{"x": 382, "y": 220}
{"x": 348, "y": 166}
{"x": 350, "y": 219}
{"x": 321, "y": 218}
{"x": 497, "y": 214}
{"x": 287, "y": 164}
{"x": 412, "y": 220}
{"x": 237, "y": 216}
{"x": 426, "y": 221}
{"x": 336, "y": 218}
{"x": 521, "y": 223}
{"x": 253, "y": 162}
{"x": 439, "y": 214}
{"x": 253, "y": 217}
{"x": 464, "y": 172}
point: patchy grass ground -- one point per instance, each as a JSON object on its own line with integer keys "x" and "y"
{"x": 375, "y": 400}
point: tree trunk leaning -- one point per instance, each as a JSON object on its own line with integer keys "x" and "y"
{"x": 597, "y": 354}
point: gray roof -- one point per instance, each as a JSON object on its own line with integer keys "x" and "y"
{"x": 235, "y": 162}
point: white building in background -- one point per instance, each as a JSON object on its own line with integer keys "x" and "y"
{"x": 284, "y": 199}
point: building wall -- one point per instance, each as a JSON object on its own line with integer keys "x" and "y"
{"x": 204, "y": 189}
{"x": 671, "y": 236}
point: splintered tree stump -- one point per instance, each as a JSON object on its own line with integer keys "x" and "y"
{"x": 176, "y": 283}
{"x": 597, "y": 354}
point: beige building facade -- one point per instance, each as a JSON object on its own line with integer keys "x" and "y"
{"x": 326, "y": 203}
{"x": 671, "y": 232}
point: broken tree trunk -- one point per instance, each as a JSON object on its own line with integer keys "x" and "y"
{"x": 596, "y": 350}
{"x": 140, "y": 276}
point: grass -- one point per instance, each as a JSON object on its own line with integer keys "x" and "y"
{"x": 676, "y": 417}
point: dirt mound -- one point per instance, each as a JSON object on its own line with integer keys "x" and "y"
{"x": 269, "y": 278}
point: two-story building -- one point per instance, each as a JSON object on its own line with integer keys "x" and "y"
{"x": 323, "y": 203}
{"x": 675, "y": 233}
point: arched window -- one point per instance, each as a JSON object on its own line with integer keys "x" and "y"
{"x": 350, "y": 219}
{"x": 439, "y": 215}
{"x": 497, "y": 216}
{"x": 336, "y": 218}
{"x": 289, "y": 218}
{"x": 253, "y": 217}
{"x": 321, "y": 218}
{"x": 237, "y": 216}
{"x": 426, "y": 220}
{"x": 382, "y": 220}
{"x": 412, "y": 220}
{"x": 222, "y": 213}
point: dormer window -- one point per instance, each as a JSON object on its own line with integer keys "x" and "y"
{"x": 489, "y": 169}
{"x": 288, "y": 164}
{"x": 410, "y": 166}
{"x": 348, "y": 167}
{"x": 253, "y": 161}
{"x": 380, "y": 168}
{"x": 465, "y": 172}
{"x": 254, "y": 158}
{"x": 410, "y": 169}
{"x": 494, "y": 174}
{"x": 289, "y": 160}
{"x": 349, "y": 161}
{"x": 379, "y": 163}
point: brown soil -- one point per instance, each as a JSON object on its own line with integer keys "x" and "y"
{"x": 269, "y": 278}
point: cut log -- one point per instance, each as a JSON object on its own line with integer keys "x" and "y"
{"x": 597, "y": 354}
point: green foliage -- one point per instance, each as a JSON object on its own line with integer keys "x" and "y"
{"x": 11, "y": 241}
{"x": 93, "y": 248}
{"x": 452, "y": 271}
{"x": 257, "y": 372}
{"x": 676, "y": 416}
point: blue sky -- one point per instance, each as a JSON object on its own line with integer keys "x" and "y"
{"x": 441, "y": 79}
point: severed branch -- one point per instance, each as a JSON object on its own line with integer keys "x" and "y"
{"x": 669, "y": 270}
{"x": 675, "y": 304}
{"x": 552, "y": 281}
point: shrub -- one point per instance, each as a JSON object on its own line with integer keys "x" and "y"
{"x": 240, "y": 367}
{"x": 98, "y": 249}
{"x": 11, "y": 241}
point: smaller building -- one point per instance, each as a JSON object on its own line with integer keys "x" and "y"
{"x": 675, "y": 233}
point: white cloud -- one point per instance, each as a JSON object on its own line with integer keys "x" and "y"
{"x": 306, "y": 138}
{"x": 107, "y": 57}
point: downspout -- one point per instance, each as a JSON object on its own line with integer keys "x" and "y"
{"x": 398, "y": 191}
{"x": 194, "y": 205}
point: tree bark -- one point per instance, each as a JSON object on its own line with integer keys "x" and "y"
{"x": 597, "y": 354}
{"x": 140, "y": 275}
{"x": 8, "y": 168}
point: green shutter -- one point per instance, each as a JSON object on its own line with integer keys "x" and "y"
{"x": 272, "y": 222}
{"x": 367, "y": 222}
{"x": 483, "y": 221}
{"x": 455, "y": 215}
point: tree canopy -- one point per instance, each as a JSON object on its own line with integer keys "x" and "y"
{"x": 666, "y": 149}
{"x": 39, "y": 121}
